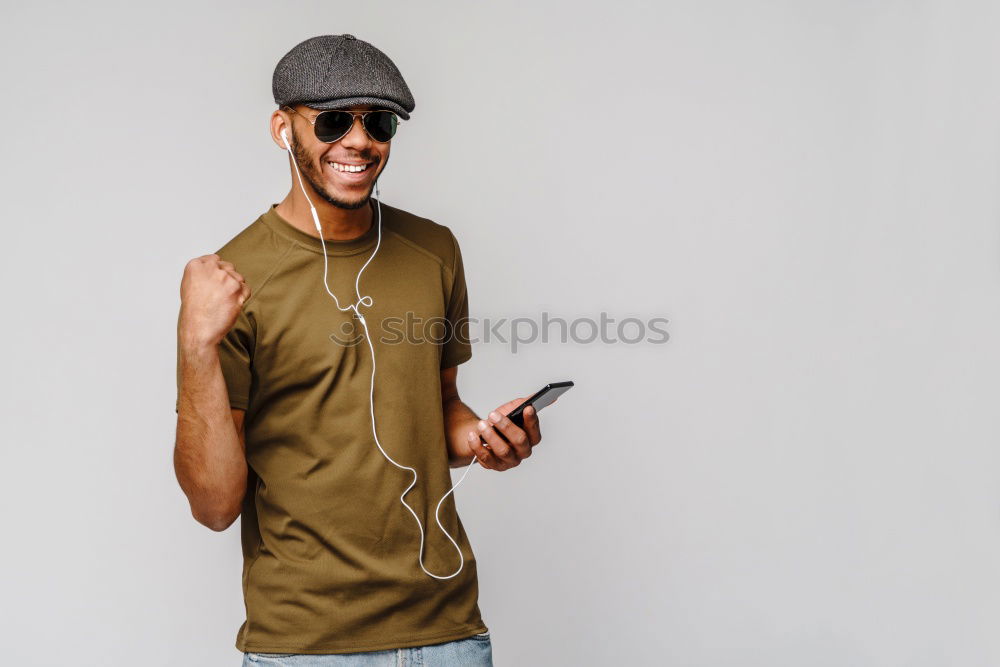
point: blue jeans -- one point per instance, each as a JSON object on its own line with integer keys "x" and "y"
{"x": 474, "y": 651}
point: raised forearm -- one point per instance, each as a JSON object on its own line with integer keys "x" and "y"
{"x": 209, "y": 455}
{"x": 459, "y": 419}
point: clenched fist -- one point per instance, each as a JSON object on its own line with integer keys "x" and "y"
{"x": 212, "y": 293}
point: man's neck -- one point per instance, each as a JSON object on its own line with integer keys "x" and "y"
{"x": 339, "y": 224}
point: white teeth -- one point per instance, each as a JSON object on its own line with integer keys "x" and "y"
{"x": 348, "y": 167}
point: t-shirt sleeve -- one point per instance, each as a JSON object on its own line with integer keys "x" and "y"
{"x": 457, "y": 348}
{"x": 235, "y": 358}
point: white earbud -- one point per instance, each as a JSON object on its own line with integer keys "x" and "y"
{"x": 285, "y": 137}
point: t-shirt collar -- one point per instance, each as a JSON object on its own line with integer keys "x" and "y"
{"x": 311, "y": 242}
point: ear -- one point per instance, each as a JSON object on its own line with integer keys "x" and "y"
{"x": 280, "y": 122}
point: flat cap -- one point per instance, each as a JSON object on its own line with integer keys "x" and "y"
{"x": 339, "y": 71}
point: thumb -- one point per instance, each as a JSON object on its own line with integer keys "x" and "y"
{"x": 510, "y": 405}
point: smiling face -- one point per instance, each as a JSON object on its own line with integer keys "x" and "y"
{"x": 332, "y": 169}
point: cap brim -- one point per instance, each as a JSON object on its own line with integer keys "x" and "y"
{"x": 345, "y": 102}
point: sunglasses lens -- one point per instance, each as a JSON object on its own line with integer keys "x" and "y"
{"x": 381, "y": 125}
{"x": 332, "y": 125}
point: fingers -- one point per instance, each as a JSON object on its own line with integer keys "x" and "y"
{"x": 507, "y": 407}
{"x": 531, "y": 426}
{"x": 499, "y": 443}
{"x": 235, "y": 276}
{"x": 513, "y": 434}
{"x": 241, "y": 283}
{"x": 231, "y": 270}
{"x": 483, "y": 454}
{"x": 237, "y": 286}
{"x": 213, "y": 260}
{"x": 244, "y": 293}
{"x": 502, "y": 451}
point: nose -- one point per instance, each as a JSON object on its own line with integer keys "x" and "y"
{"x": 357, "y": 136}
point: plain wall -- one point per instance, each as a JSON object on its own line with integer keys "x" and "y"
{"x": 804, "y": 474}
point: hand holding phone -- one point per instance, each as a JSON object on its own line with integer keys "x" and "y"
{"x": 501, "y": 444}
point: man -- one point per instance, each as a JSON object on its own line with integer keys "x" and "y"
{"x": 277, "y": 389}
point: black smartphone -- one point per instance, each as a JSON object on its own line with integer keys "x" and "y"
{"x": 539, "y": 400}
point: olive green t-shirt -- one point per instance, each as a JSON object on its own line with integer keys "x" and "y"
{"x": 330, "y": 553}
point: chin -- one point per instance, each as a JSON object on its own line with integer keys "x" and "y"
{"x": 352, "y": 199}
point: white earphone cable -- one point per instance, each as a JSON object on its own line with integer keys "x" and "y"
{"x": 367, "y": 301}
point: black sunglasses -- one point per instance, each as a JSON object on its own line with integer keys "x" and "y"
{"x": 332, "y": 125}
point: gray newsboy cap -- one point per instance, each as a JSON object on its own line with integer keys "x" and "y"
{"x": 339, "y": 71}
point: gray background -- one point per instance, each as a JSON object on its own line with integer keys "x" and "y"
{"x": 805, "y": 474}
